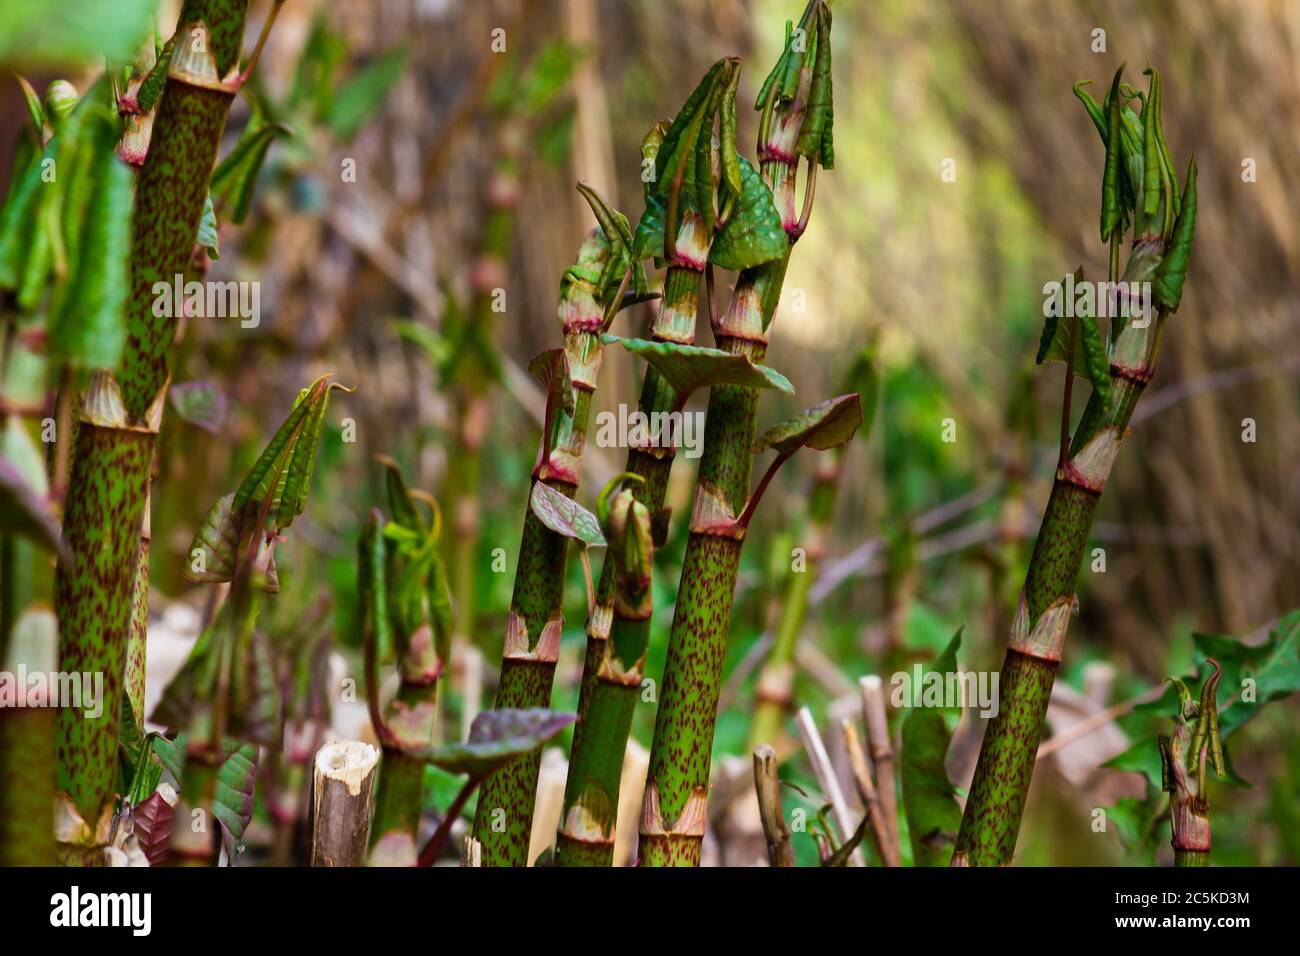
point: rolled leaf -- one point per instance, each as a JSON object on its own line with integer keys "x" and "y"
{"x": 1167, "y": 286}
{"x": 1077, "y": 341}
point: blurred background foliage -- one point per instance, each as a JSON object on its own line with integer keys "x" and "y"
{"x": 1198, "y": 528}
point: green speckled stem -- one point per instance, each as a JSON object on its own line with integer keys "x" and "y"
{"x": 397, "y": 798}
{"x": 605, "y": 709}
{"x": 93, "y": 593}
{"x": 106, "y": 495}
{"x": 991, "y": 821}
{"x": 1192, "y": 858}
{"x": 688, "y": 701}
{"x": 538, "y": 597}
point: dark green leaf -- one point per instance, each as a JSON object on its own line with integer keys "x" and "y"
{"x": 1077, "y": 341}
{"x": 497, "y": 737}
{"x": 825, "y": 425}
{"x": 815, "y": 133}
{"x": 691, "y": 367}
{"x": 207, "y": 234}
{"x": 1112, "y": 210}
{"x": 1167, "y": 286}
{"x": 753, "y": 235}
{"x": 235, "y": 178}
{"x": 232, "y": 803}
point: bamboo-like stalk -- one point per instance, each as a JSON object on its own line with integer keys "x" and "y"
{"x": 882, "y": 752}
{"x": 768, "y": 787}
{"x": 615, "y": 659}
{"x": 1159, "y": 256}
{"x": 119, "y": 419}
{"x": 675, "y": 810}
{"x": 343, "y": 781}
{"x": 503, "y": 820}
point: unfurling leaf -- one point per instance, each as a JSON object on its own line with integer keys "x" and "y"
{"x": 690, "y": 367}
{"x": 815, "y": 139}
{"x": 278, "y": 482}
{"x": 495, "y": 738}
{"x": 929, "y": 798}
{"x": 565, "y": 516}
{"x": 825, "y": 425}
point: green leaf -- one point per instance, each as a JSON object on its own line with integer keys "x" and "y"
{"x": 727, "y": 134}
{"x": 400, "y": 503}
{"x": 565, "y": 516}
{"x": 815, "y": 134}
{"x": 358, "y": 99}
{"x": 619, "y": 233}
{"x": 1272, "y": 669}
{"x": 34, "y": 109}
{"x": 1095, "y": 112}
{"x": 495, "y": 738}
{"x": 202, "y": 404}
{"x": 232, "y": 803}
{"x": 753, "y": 235}
{"x": 1167, "y": 286}
{"x": 863, "y": 376}
{"x": 1112, "y": 210}
{"x": 73, "y": 32}
{"x": 649, "y": 238}
{"x": 929, "y": 798}
{"x": 282, "y": 474}
{"x": 23, "y": 509}
{"x": 207, "y": 234}
{"x": 691, "y": 367}
{"x": 155, "y": 81}
{"x": 825, "y": 425}
{"x": 235, "y": 177}
{"x": 171, "y": 753}
{"x": 1077, "y": 341}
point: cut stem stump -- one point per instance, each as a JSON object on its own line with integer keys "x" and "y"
{"x": 342, "y": 798}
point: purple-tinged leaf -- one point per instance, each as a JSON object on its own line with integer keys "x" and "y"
{"x": 565, "y": 516}
{"x": 495, "y": 738}
{"x": 153, "y": 823}
{"x": 691, "y": 367}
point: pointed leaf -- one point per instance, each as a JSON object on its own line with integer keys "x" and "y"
{"x": 232, "y": 804}
{"x": 497, "y": 737}
{"x": 1077, "y": 341}
{"x": 363, "y": 95}
{"x": 825, "y": 425}
{"x": 202, "y": 404}
{"x": 153, "y": 823}
{"x": 691, "y": 367}
{"x": 753, "y": 235}
{"x": 929, "y": 798}
{"x": 1112, "y": 210}
{"x": 565, "y": 516}
{"x": 815, "y": 133}
{"x": 1167, "y": 286}
{"x": 207, "y": 234}
{"x": 34, "y": 109}
{"x": 727, "y": 133}
{"x": 235, "y": 177}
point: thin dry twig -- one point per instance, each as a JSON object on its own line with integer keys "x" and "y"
{"x": 826, "y": 779}
{"x": 768, "y": 787}
{"x": 885, "y": 846}
{"x": 882, "y": 751}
